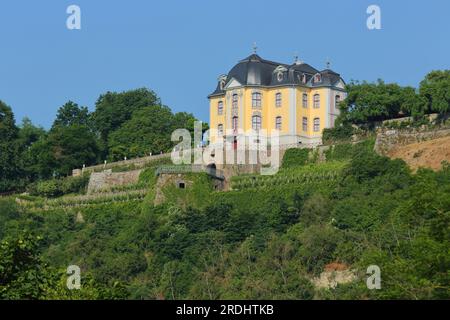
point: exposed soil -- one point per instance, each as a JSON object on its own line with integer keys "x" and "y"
{"x": 429, "y": 154}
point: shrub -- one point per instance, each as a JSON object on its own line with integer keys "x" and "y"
{"x": 367, "y": 165}
{"x": 58, "y": 187}
{"x": 74, "y": 184}
{"x": 49, "y": 188}
{"x": 339, "y": 133}
{"x": 295, "y": 157}
{"x": 339, "y": 152}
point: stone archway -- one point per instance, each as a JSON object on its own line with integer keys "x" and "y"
{"x": 211, "y": 169}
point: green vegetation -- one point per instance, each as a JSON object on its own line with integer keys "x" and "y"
{"x": 268, "y": 242}
{"x": 295, "y": 158}
{"x": 127, "y": 124}
{"x": 24, "y": 275}
{"x": 367, "y": 104}
{"x": 198, "y": 188}
{"x": 58, "y": 187}
{"x": 270, "y": 237}
{"x": 306, "y": 174}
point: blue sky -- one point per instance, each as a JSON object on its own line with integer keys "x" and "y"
{"x": 178, "y": 48}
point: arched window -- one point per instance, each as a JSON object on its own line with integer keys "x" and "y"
{"x": 316, "y": 101}
{"x": 305, "y": 100}
{"x": 278, "y": 99}
{"x": 316, "y": 124}
{"x": 256, "y": 100}
{"x": 256, "y": 122}
{"x": 280, "y": 76}
{"x": 305, "y": 124}
{"x": 220, "y": 108}
{"x": 317, "y": 78}
{"x": 234, "y": 124}
{"x": 220, "y": 130}
{"x": 303, "y": 78}
{"x": 234, "y": 103}
{"x": 337, "y": 99}
{"x": 278, "y": 123}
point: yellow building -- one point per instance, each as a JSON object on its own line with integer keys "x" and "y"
{"x": 297, "y": 100}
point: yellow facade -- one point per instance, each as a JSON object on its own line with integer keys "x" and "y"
{"x": 290, "y": 110}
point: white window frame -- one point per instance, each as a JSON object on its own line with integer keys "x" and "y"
{"x": 278, "y": 99}
{"x": 305, "y": 100}
{"x": 278, "y": 123}
{"x": 317, "y": 78}
{"x": 234, "y": 102}
{"x": 316, "y": 125}
{"x": 305, "y": 124}
{"x": 316, "y": 102}
{"x": 256, "y": 122}
{"x": 256, "y": 99}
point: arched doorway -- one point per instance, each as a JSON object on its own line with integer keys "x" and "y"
{"x": 211, "y": 169}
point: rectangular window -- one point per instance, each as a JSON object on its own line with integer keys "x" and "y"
{"x": 316, "y": 124}
{"x": 256, "y": 122}
{"x": 278, "y": 100}
{"x": 256, "y": 100}
{"x": 234, "y": 103}
{"x": 278, "y": 123}
{"x": 305, "y": 100}
{"x": 316, "y": 101}
{"x": 220, "y": 130}
{"x": 234, "y": 124}
{"x": 337, "y": 99}
{"x": 305, "y": 124}
{"x": 220, "y": 108}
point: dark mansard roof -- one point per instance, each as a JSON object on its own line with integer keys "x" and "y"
{"x": 256, "y": 71}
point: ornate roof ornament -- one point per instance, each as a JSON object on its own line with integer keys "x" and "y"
{"x": 255, "y": 48}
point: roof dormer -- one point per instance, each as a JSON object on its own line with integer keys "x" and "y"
{"x": 317, "y": 78}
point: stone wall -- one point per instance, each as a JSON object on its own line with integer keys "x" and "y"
{"x": 387, "y": 139}
{"x": 107, "y": 179}
{"x": 140, "y": 163}
{"x": 137, "y": 163}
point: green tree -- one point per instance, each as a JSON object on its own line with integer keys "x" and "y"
{"x": 64, "y": 149}
{"x": 71, "y": 114}
{"x": 10, "y": 170}
{"x": 29, "y": 133}
{"x": 113, "y": 109}
{"x": 436, "y": 90}
{"x": 22, "y": 273}
{"x": 367, "y": 102}
{"x": 8, "y": 129}
{"x": 149, "y": 130}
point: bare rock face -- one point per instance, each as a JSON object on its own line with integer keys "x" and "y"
{"x": 108, "y": 179}
{"x": 334, "y": 274}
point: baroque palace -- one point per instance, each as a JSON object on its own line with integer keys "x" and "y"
{"x": 297, "y": 100}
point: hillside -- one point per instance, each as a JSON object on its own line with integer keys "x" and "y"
{"x": 275, "y": 237}
{"x": 428, "y": 154}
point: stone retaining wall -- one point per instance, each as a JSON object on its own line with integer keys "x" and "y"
{"x": 105, "y": 180}
{"x": 137, "y": 163}
{"x": 387, "y": 139}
